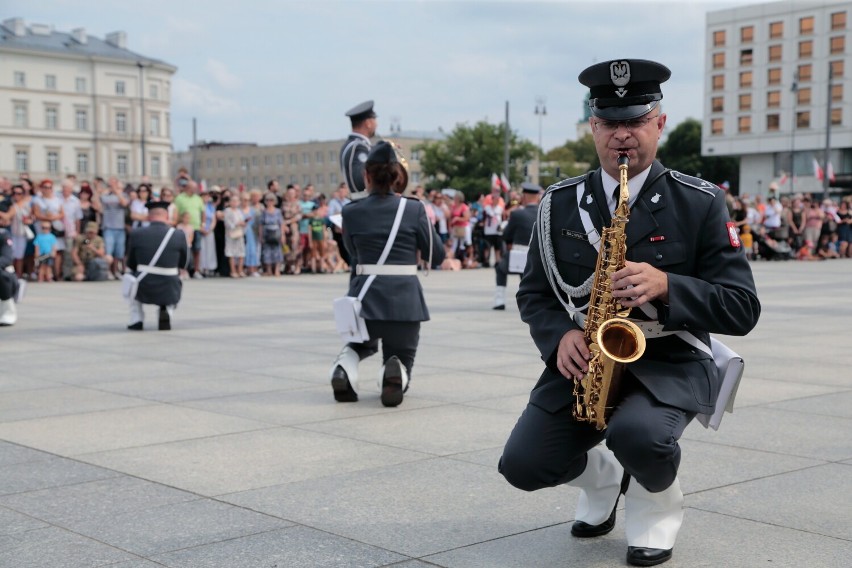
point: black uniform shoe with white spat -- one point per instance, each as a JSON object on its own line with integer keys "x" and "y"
{"x": 343, "y": 391}
{"x": 393, "y": 382}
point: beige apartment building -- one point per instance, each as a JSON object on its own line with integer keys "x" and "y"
{"x": 303, "y": 163}
{"x": 71, "y": 103}
{"x": 776, "y": 85}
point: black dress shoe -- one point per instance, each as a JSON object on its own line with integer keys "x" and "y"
{"x": 165, "y": 323}
{"x": 582, "y": 529}
{"x": 343, "y": 391}
{"x": 392, "y": 383}
{"x": 500, "y": 307}
{"x": 135, "y": 326}
{"x": 639, "y": 556}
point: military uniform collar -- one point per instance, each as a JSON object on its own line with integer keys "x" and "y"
{"x": 634, "y": 184}
{"x": 359, "y": 135}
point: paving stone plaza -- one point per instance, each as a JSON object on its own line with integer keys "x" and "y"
{"x": 218, "y": 444}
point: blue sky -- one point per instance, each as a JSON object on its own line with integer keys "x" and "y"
{"x": 278, "y": 71}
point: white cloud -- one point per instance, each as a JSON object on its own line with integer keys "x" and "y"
{"x": 192, "y": 97}
{"x": 221, "y": 75}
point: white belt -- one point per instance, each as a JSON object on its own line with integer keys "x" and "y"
{"x": 159, "y": 271}
{"x": 386, "y": 269}
{"x": 651, "y": 329}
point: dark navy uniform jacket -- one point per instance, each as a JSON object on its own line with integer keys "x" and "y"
{"x": 678, "y": 224}
{"x": 366, "y": 226}
{"x": 520, "y": 226}
{"x": 144, "y": 242}
{"x": 353, "y": 157}
{"x": 8, "y": 281}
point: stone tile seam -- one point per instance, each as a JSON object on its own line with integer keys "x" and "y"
{"x": 769, "y": 524}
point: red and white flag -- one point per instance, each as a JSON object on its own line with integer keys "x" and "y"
{"x": 830, "y": 172}
{"x": 505, "y": 182}
{"x": 495, "y": 182}
{"x": 818, "y": 173}
{"x": 783, "y": 179}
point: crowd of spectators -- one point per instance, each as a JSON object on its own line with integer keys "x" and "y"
{"x": 798, "y": 226}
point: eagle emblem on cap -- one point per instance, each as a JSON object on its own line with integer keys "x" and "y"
{"x": 619, "y": 72}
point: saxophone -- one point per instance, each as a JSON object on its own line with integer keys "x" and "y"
{"x": 613, "y": 340}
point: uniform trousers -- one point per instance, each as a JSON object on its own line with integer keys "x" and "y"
{"x": 502, "y": 270}
{"x": 8, "y": 285}
{"x": 399, "y": 338}
{"x": 548, "y": 449}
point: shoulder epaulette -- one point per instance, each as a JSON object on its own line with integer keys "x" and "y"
{"x": 695, "y": 183}
{"x": 570, "y": 182}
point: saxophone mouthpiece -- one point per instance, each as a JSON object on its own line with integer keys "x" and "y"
{"x": 623, "y": 159}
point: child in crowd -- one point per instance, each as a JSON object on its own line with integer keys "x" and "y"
{"x": 805, "y": 252}
{"x": 45, "y": 252}
{"x": 185, "y": 225}
{"x": 747, "y": 239}
{"x": 826, "y": 249}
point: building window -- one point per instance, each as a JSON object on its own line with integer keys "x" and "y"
{"x": 231, "y": 164}
{"x": 254, "y": 161}
{"x": 836, "y": 116}
{"x": 53, "y": 162}
{"x": 121, "y": 122}
{"x": 806, "y": 48}
{"x": 80, "y": 84}
{"x": 332, "y": 157}
{"x": 773, "y": 99}
{"x": 745, "y": 102}
{"x": 306, "y": 158}
{"x": 415, "y": 155}
{"x": 319, "y": 157}
{"x": 716, "y": 126}
{"x": 155, "y": 166}
{"x": 154, "y": 129}
{"x": 837, "y": 93}
{"x": 719, "y": 38}
{"x": 320, "y": 179}
{"x": 267, "y": 160}
{"x": 279, "y": 159}
{"x": 51, "y": 118}
{"x": 774, "y": 76}
{"x": 209, "y": 163}
{"x": 332, "y": 179}
{"x": 775, "y": 52}
{"x": 293, "y": 161}
{"x": 718, "y": 82}
{"x": 776, "y": 30}
{"x": 22, "y": 160}
{"x": 20, "y": 79}
{"x": 306, "y": 180}
{"x": 804, "y": 73}
{"x": 838, "y": 44}
{"x": 50, "y": 82}
{"x": 220, "y": 163}
{"x": 121, "y": 164}
{"x": 719, "y": 60}
{"x": 803, "y": 119}
{"x": 744, "y": 124}
{"x": 838, "y": 21}
{"x": 119, "y": 87}
{"x": 82, "y": 163}
{"x": 746, "y": 34}
{"x": 294, "y": 179}
{"x": 717, "y": 104}
{"x": 773, "y": 122}
{"x": 154, "y": 92}
{"x": 745, "y": 57}
{"x": 836, "y": 69}
{"x": 745, "y": 79}
{"x": 803, "y": 96}
{"x": 21, "y": 115}
{"x": 806, "y": 25}
{"x": 82, "y": 119}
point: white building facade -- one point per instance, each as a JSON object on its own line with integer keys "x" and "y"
{"x": 75, "y": 104}
{"x": 768, "y": 97}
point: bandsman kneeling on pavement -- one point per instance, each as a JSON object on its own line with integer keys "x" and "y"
{"x": 8, "y": 281}
{"x": 155, "y": 255}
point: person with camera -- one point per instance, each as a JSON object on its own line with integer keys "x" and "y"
{"x": 88, "y": 254}
{"x": 188, "y": 201}
{"x": 113, "y": 210}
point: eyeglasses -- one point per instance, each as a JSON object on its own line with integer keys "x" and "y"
{"x": 632, "y": 125}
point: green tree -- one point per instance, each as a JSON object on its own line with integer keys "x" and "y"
{"x": 466, "y": 159}
{"x": 573, "y": 158}
{"x": 682, "y": 151}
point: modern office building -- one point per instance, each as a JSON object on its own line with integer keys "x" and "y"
{"x": 71, "y": 103}
{"x": 316, "y": 162}
{"x": 776, "y": 84}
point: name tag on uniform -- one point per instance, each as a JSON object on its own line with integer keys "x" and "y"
{"x": 574, "y": 234}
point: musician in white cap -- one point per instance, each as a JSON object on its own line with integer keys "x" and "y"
{"x": 684, "y": 276}
{"x": 384, "y": 277}
{"x": 353, "y": 154}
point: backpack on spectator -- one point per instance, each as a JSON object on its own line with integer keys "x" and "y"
{"x": 271, "y": 231}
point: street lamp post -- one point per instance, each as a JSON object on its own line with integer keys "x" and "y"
{"x": 794, "y": 89}
{"x": 142, "y": 114}
{"x": 540, "y": 112}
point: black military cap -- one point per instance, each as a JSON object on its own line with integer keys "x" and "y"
{"x": 625, "y": 88}
{"x": 383, "y": 153}
{"x": 157, "y": 205}
{"x": 529, "y": 187}
{"x": 361, "y": 112}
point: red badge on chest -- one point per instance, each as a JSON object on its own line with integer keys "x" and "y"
{"x": 732, "y": 235}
